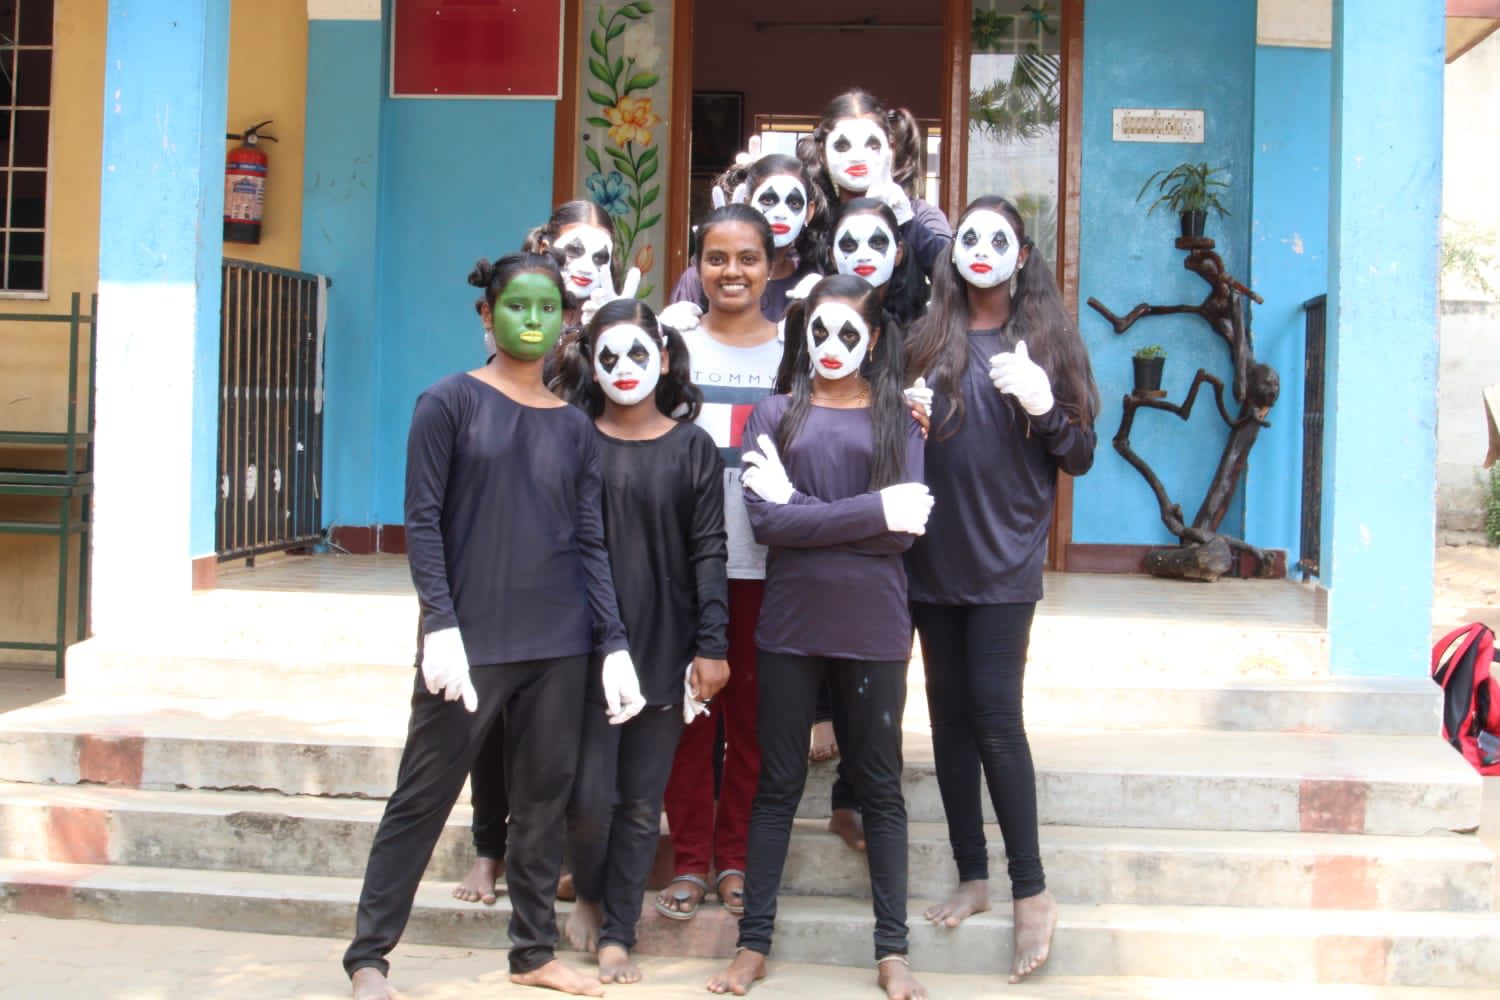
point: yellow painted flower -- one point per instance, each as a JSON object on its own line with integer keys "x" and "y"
{"x": 631, "y": 121}
{"x": 645, "y": 258}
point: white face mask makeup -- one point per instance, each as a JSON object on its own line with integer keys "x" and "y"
{"x": 587, "y": 250}
{"x": 857, "y": 153}
{"x": 627, "y": 363}
{"x": 864, "y": 245}
{"x": 783, "y": 201}
{"x": 986, "y": 250}
{"x": 837, "y": 340}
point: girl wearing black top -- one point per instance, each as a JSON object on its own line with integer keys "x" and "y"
{"x": 1015, "y": 405}
{"x": 836, "y": 518}
{"x": 664, "y": 527}
{"x": 505, "y": 538}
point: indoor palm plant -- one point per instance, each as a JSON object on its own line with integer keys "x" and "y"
{"x": 1190, "y": 190}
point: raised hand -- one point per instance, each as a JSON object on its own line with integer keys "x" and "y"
{"x": 1015, "y": 374}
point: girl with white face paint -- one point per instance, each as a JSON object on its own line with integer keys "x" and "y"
{"x": 834, "y": 488}
{"x": 861, "y": 148}
{"x": 582, "y": 235}
{"x": 1015, "y": 406}
{"x": 778, "y": 187}
{"x": 663, "y": 501}
{"x": 867, "y": 242}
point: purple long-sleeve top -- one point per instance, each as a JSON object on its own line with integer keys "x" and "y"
{"x": 993, "y": 483}
{"x": 926, "y": 233}
{"x": 835, "y": 583}
{"x": 505, "y": 525}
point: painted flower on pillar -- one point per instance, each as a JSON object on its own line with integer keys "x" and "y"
{"x": 623, "y": 54}
{"x": 645, "y": 259}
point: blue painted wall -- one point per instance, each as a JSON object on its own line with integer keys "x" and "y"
{"x": 1288, "y": 266}
{"x": 401, "y": 197}
{"x": 1148, "y": 54}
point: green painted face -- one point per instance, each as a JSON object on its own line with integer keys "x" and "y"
{"x": 527, "y": 316}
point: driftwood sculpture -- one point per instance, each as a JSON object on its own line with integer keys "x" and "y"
{"x": 1204, "y": 553}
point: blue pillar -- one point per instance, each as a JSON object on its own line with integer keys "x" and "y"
{"x": 340, "y": 210}
{"x": 1379, "y": 466}
{"x": 160, "y": 246}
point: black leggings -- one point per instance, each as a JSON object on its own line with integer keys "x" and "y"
{"x": 614, "y": 819}
{"x": 975, "y": 658}
{"x": 874, "y": 694}
{"x": 831, "y": 709}
{"x": 541, "y": 704}
{"x": 487, "y": 796}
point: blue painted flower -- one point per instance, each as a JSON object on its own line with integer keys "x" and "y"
{"x": 609, "y": 191}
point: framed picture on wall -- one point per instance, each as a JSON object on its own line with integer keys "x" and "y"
{"x": 718, "y": 129}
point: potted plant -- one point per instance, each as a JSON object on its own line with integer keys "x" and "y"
{"x": 1190, "y": 190}
{"x": 1148, "y": 362}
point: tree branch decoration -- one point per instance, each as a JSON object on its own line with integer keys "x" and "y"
{"x": 1204, "y": 553}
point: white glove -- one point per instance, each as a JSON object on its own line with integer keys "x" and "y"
{"x": 919, "y": 396}
{"x": 605, "y": 293}
{"x": 907, "y": 506}
{"x": 623, "y": 700}
{"x": 885, "y": 188}
{"x": 680, "y": 316}
{"x": 803, "y": 288}
{"x": 445, "y": 667}
{"x": 764, "y": 475}
{"x": 1018, "y": 375}
{"x": 692, "y": 707}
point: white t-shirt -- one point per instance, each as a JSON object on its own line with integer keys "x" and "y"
{"x": 733, "y": 380}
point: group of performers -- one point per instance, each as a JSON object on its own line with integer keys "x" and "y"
{"x": 635, "y": 535}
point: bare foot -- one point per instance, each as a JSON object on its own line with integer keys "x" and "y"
{"x": 369, "y": 984}
{"x": 556, "y": 976}
{"x": 479, "y": 886}
{"x": 566, "y": 890}
{"x": 747, "y": 968}
{"x": 1036, "y": 919}
{"x": 615, "y": 965}
{"x": 824, "y": 745}
{"x": 968, "y": 899}
{"x": 582, "y": 928}
{"x": 848, "y": 824}
{"x": 898, "y": 982}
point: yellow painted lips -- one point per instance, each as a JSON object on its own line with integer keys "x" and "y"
{"x": 531, "y": 337}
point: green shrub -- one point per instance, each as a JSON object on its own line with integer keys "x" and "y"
{"x": 1492, "y": 507}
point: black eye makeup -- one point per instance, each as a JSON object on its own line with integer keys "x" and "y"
{"x": 573, "y": 249}
{"x": 819, "y": 331}
{"x": 638, "y": 353}
{"x": 847, "y": 243}
{"x": 969, "y": 238}
{"x": 601, "y": 258}
{"x": 874, "y": 144}
{"x": 608, "y": 359}
{"x": 842, "y": 144}
{"x": 795, "y": 201}
{"x": 880, "y": 242}
{"x": 849, "y": 336}
{"x": 1000, "y": 243}
{"x": 769, "y": 199}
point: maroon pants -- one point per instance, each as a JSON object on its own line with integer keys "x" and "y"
{"x": 705, "y": 839}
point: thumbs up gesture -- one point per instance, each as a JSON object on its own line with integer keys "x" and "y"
{"x": 1015, "y": 374}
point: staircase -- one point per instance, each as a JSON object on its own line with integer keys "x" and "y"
{"x": 1277, "y": 829}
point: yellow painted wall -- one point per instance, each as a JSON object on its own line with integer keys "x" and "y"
{"x": 268, "y": 79}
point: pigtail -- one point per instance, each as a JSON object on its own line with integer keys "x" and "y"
{"x": 483, "y": 273}
{"x": 573, "y": 373}
{"x": 794, "y": 376}
{"x": 906, "y": 150}
{"x": 1038, "y": 317}
{"x": 676, "y": 394}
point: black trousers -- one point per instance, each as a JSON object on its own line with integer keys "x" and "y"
{"x": 614, "y": 818}
{"x": 975, "y": 658}
{"x": 487, "y": 795}
{"x": 875, "y": 697}
{"x": 831, "y": 709}
{"x": 541, "y": 703}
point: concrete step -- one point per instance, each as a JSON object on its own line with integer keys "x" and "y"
{"x": 301, "y": 835}
{"x": 1331, "y": 946}
{"x": 1206, "y": 780}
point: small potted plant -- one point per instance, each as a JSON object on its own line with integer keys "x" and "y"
{"x": 1148, "y": 363}
{"x": 1190, "y": 190}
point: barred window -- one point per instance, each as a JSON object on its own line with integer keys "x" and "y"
{"x": 25, "y": 124}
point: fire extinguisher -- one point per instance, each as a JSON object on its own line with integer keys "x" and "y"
{"x": 245, "y": 172}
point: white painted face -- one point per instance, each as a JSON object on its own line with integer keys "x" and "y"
{"x": 837, "y": 340}
{"x": 857, "y": 152}
{"x": 864, "y": 245}
{"x": 986, "y": 249}
{"x": 627, "y": 363}
{"x": 588, "y": 250}
{"x": 783, "y": 201}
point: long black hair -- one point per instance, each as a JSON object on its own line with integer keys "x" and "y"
{"x": 939, "y": 347}
{"x": 676, "y": 395}
{"x": 899, "y": 125}
{"x": 904, "y": 296}
{"x": 882, "y": 367}
{"x": 493, "y": 278}
{"x": 741, "y": 179}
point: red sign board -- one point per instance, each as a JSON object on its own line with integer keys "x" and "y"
{"x": 477, "y": 48}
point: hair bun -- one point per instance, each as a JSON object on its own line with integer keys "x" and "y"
{"x": 483, "y": 273}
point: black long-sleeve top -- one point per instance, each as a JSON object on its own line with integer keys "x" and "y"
{"x": 835, "y": 585}
{"x": 993, "y": 484}
{"x": 504, "y": 525}
{"x": 664, "y": 526}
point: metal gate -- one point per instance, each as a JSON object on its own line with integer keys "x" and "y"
{"x": 270, "y": 410}
{"x": 1313, "y": 377}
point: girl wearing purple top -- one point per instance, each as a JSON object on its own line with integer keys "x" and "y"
{"x": 1015, "y": 404}
{"x": 836, "y": 518}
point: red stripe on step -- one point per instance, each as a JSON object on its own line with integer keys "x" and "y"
{"x": 111, "y": 760}
{"x": 78, "y": 835}
{"x": 1352, "y": 960}
{"x": 1341, "y": 882}
{"x": 1332, "y": 806}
